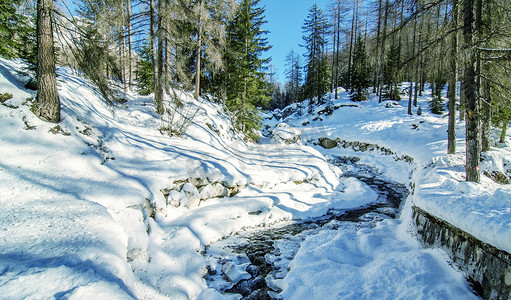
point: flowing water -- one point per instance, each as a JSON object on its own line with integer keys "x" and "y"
{"x": 248, "y": 263}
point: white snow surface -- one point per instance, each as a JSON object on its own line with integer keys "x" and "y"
{"x": 73, "y": 223}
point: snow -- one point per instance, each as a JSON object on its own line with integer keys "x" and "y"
{"x": 75, "y": 224}
{"x": 370, "y": 263}
{"x": 482, "y": 210}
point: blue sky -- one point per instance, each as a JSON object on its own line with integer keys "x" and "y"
{"x": 285, "y": 19}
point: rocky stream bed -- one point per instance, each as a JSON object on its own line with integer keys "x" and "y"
{"x": 248, "y": 264}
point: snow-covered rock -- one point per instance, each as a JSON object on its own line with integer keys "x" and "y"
{"x": 190, "y": 196}
{"x": 286, "y": 134}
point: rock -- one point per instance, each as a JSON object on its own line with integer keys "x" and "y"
{"x": 189, "y": 196}
{"x": 174, "y": 198}
{"x": 327, "y": 143}
{"x": 284, "y": 133}
{"x": 235, "y": 273}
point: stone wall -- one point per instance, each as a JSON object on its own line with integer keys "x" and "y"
{"x": 488, "y": 268}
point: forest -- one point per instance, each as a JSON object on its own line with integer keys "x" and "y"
{"x": 217, "y": 48}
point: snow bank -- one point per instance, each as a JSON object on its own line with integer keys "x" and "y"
{"x": 370, "y": 263}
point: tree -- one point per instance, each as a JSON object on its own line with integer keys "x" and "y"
{"x": 473, "y": 142}
{"x": 315, "y": 29}
{"x": 11, "y": 23}
{"x": 246, "y": 87}
{"x": 453, "y": 83}
{"x": 294, "y": 77}
{"x": 47, "y": 104}
{"x": 391, "y": 77}
{"x": 361, "y": 74}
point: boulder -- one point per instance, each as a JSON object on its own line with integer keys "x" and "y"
{"x": 284, "y": 133}
{"x": 327, "y": 143}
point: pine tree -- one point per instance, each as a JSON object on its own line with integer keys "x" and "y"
{"x": 361, "y": 72}
{"x": 315, "y": 30}
{"x": 246, "y": 87}
{"x": 391, "y": 74}
{"x": 11, "y": 25}
{"x": 294, "y": 77}
{"x": 47, "y": 104}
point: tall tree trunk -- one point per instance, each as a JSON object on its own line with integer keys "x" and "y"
{"x": 503, "y": 132}
{"x": 410, "y": 90}
{"x": 130, "y": 46}
{"x": 453, "y": 83}
{"x": 152, "y": 32}
{"x": 376, "y": 80}
{"x": 337, "y": 50}
{"x": 158, "y": 89}
{"x": 486, "y": 90}
{"x": 351, "y": 43}
{"x": 383, "y": 42}
{"x": 47, "y": 104}
{"x": 199, "y": 54}
{"x": 473, "y": 143}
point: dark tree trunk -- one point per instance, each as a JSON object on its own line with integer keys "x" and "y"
{"x": 473, "y": 143}
{"x": 152, "y": 32}
{"x": 47, "y": 104}
{"x": 158, "y": 87}
{"x": 199, "y": 54}
{"x": 453, "y": 83}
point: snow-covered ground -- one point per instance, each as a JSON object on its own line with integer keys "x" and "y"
{"x": 76, "y": 198}
{"x": 483, "y": 210}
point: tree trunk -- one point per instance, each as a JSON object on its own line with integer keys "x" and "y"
{"x": 384, "y": 39}
{"x": 199, "y": 55}
{"x": 153, "y": 40}
{"x": 376, "y": 81}
{"x": 503, "y": 132}
{"x": 130, "y": 47}
{"x": 47, "y": 104}
{"x": 473, "y": 143}
{"x": 486, "y": 117}
{"x": 453, "y": 83}
{"x": 351, "y": 45}
{"x": 337, "y": 50}
{"x": 158, "y": 89}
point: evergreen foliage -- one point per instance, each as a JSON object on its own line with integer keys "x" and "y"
{"x": 246, "y": 88}
{"x": 391, "y": 78}
{"x": 361, "y": 72}
{"x": 436, "y": 105}
{"x": 144, "y": 71}
{"x": 294, "y": 75}
{"x": 12, "y": 28}
{"x": 315, "y": 31}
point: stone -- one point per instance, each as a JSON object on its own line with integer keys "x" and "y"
{"x": 189, "y": 196}
{"x": 327, "y": 143}
{"x": 174, "y": 198}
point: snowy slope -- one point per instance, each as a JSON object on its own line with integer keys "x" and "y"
{"x": 75, "y": 195}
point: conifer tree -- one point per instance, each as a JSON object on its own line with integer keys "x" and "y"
{"x": 361, "y": 72}
{"x": 11, "y": 23}
{"x": 246, "y": 87}
{"x": 315, "y": 30}
{"x": 294, "y": 77}
{"x": 391, "y": 74}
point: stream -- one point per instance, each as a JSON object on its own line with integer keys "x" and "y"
{"x": 247, "y": 264}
